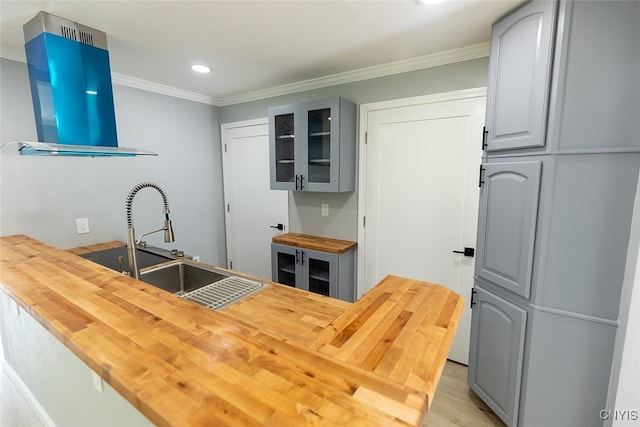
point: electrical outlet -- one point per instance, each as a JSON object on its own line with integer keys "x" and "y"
{"x": 97, "y": 382}
{"x": 324, "y": 209}
{"x": 82, "y": 225}
{"x": 16, "y": 307}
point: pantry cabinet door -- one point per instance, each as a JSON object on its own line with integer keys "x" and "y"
{"x": 496, "y": 353}
{"x": 507, "y": 224}
{"x": 519, "y": 77}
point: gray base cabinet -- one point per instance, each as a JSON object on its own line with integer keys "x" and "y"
{"x": 559, "y": 176}
{"x": 315, "y": 271}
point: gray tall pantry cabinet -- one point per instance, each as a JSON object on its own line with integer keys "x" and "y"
{"x": 558, "y": 180}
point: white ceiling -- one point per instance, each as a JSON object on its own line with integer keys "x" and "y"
{"x": 256, "y": 45}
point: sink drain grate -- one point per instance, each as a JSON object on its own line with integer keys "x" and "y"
{"x": 220, "y": 294}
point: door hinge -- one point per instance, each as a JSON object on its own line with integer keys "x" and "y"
{"x": 485, "y": 133}
{"x": 230, "y": 265}
{"x": 473, "y": 297}
{"x": 228, "y": 207}
{"x": 364, "y": 221}
{"x": 481, "y": 177}
{"x": 225, "y": 148}
{"x": 366, "y": 137}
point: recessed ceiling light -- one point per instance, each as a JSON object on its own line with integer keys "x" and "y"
{"x": 199, "y": 68}
{"x": 429, "y": 1}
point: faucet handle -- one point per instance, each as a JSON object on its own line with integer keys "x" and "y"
{"x": 121, "y": 263}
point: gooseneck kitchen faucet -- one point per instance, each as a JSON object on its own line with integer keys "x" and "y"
{"x": 134, "y": 271}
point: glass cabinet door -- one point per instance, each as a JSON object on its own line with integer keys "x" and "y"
{"x": 283, "y": 125}
{"x": 319, "y": 145}
{"x": 286, "y": 269}
{"x": 320, "y": 271}
{"x": 319, "y": 276}
{"x": 285, "y": 143}
{"x": 319, "y": 152}
{"x": 284, "y": 261}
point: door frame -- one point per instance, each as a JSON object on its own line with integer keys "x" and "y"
{"x": 228, "y": 194}
{"x": 365, "y": 109}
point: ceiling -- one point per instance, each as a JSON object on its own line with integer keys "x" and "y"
{"x": 252, "y": 46}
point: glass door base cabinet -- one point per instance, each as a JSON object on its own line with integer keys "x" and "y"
{"x": 312, "y": 146}
{"x": 329, "y": 272}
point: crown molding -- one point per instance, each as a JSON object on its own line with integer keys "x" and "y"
{"x": 398, "y": 67}
{"x": 148, "y": 86}
{"x": 442, "y": 58}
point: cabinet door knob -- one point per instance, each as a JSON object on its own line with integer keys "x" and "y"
{"x": 470, "y": 252}
{"x": 279, "y": 226}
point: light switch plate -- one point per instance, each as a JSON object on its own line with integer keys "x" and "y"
{"x": 324, "y": 209}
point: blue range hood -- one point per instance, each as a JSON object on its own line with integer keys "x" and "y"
{"x": 71, "y": 88}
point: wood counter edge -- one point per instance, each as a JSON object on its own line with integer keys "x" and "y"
{"x": 306, "y": 241}
{"x": 81, "y": 250}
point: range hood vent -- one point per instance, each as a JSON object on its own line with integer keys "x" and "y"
{"x": 71, "y": 89}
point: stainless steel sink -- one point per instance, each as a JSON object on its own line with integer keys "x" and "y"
{"x": 204, "y": 285}
{"x": 109, "y": 258}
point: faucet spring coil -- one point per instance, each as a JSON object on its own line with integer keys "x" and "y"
{"x": 134, "y": 191}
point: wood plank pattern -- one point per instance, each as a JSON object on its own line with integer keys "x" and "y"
{"x": 306, "y": 241}
{"x": 279, "y": 357}
{"x": 80, "y": 250}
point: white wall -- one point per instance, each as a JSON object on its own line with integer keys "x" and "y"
{"x": 42, "y": 196}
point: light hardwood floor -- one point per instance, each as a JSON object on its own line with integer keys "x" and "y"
{"x": 454, "y": 404}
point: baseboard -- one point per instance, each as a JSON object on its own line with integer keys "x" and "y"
{"x": 24, "y": 390}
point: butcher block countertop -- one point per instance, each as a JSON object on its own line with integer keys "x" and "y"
{"x": 324, "y": 244}
{"x": 282, "y": 356}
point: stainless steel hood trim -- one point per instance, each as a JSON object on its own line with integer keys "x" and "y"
{"x": 50, "y": 149}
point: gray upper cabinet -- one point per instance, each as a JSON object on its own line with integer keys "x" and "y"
{"x": 312, "y": 146}
{"x": 594, "y": 95}
{"x": 496, "y": 353}
{"x": 507, "y": 223}
{"x": 519, "y": 75}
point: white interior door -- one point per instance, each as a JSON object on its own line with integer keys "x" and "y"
{"x": 419, "y": 194}
{"x": 251, "y": 207}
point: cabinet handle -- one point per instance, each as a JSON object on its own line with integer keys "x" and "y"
{"x": 473, "y": 297}
{"x": 296, "y": 181}
{"x": 297, "y": 256}
{"x": 485, "y": 133}
{"x": 480, "y": 178}
{"x": 302, "y": 258}
{"x": 301, "y": 182}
